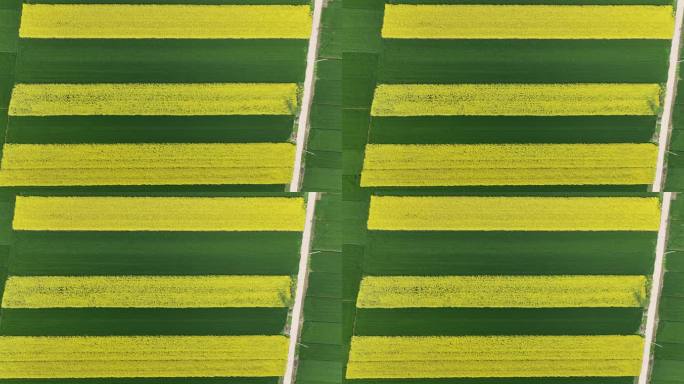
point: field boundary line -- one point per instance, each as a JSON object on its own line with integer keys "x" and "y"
{"x": 300, "y": 294}
{"x": 307, "y": 97}
{"x": 670, "y": 94}
{"x": 656, "y": 287}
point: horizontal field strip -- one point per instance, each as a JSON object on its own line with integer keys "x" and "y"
{"x": 146, "y": 291}
{"x": 153, "y": 99}
{"x": 508, "y": 164}
{"x": 142, "y": 60}
{"x": 167, "y": 21}
{"x": 494, "y": 356}
{"x": 496, "y": 321}
{"x": 432, "y": 253}
{"x": 146, "y": 164}
{"x": 500, "y": 129}
{"x": 544, "y": 291}
{"x": 594, "y": 99}
{"x": 522, "y": 61}
{"x": 150, "y": 253}
{"x": 141, "y": 356}
{"x": 209, "y": 2}
{"x": 485, "y": 380}
{"x": 460, "y": 2}
{"x": 142, "y": 321}
{"x": 72, "y": 213}
{"x": 527, "y": 22}
{"x": 474, "y": 213}
{"x": 149, "y": 129}
{"x": 169, "y": 380}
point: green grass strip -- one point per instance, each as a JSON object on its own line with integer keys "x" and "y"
{"x": 161, "y": 61}
{"x": 149, "y": 129}
{"x": 496, "y": 321}
{"x": 510, "y": 129}
{"x": 523, "y": 61}
{"x": 508, "y": 253}
{"x": 163, "y": 253}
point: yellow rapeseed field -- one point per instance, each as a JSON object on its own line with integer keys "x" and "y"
{"x": 141, "y": 356}
{"x": 153, "y": 99}
{"x": 516, "y": 99}
{"x": 508, "y": 164}
{"x": 475, "y": 213}
{"x": 501, "y": 291}
{"x": 146, "y": 291}
{"x": 494, "y": 356}
{"x": 146, "y": 164}
{"x": 168, "y": 21}
{"x": 106, "y": 213}
{"x": 404, "y": 21}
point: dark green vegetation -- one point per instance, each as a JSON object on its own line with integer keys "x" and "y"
{"x": 674, "y": 157}
{"x": 361, "y": 42}
{"x": 320, "y": 352}
{"x": 497, "y": 321}
{"x": 323, "y": 160}
{"x": 508, "y": 253}
{"x": 511, "y": 129}
{"x": 523, "y": 61}
{"x": 160, "y": 61}
{"x": 143, "y": 253}
{"x": 134, "y": 321}
{"x": 668, "y": 367}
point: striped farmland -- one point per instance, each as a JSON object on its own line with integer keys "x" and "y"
{"x": 534, "y": 74}
{"x": 194, "y": 287}
{"x": 456, "y": 106}
{"x": 157, "y": 78}
{"x": 457, "y": 287}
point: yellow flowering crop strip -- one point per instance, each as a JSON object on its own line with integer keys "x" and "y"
{"x": 146, "y": 291}
{"x": 501, "y": 291}
{"x": 528, "y": 22}
{"x": 516, "y": 99}
{"x": 508, "y": 164}
{"x": 475, "y": 213}
{"x": 141, "y": 356}
{"x": 494, "y": 356}
{"x": 168, "y": 21}
{"x": 154, "y": 99}
{"x": 105, "y": 213}
{"x": 146, "y": 164}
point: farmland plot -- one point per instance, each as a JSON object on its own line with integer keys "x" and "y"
{"x": 540, "y": 288}
{"x": 105, "y": 93}
{"x": 181, "y": 289}
{"x": 508, "y": 85}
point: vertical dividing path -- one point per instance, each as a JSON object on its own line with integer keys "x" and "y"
{"x": 670, "y": 94}
{"x": 302, "y": 275}
{"x": 656, "y": 287}
{"x": 307, "y": 97}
